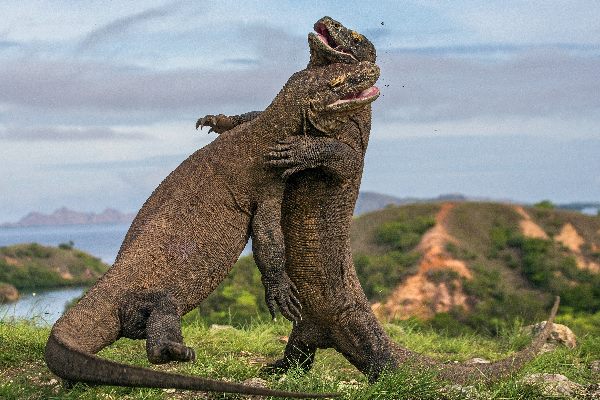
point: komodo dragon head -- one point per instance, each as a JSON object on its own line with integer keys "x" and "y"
{"x": 332, "y": 42}
{"x": 327, "y": 95}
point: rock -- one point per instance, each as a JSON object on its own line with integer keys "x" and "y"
{"x": 595, "y": 366}
{"x": 461, "y": 392}
{"x": 592, "y": 391}
{"x": 555, "y": 385}
{"x": 217, "y": 327}
{"x": 283, "y": 339}
{"x": 477, "y": 360}
{"x": 351, "y": 384}
{"x": 8, "y": 293}
{"x": 561, "y": 334}
{"x": 255, "y": 382}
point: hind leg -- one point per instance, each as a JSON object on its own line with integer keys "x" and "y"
{"x": 360, "y": 338}
{"x": 164, "y": 340}
{"x": 300, "y": 350}
{"x": 154, "y": 316}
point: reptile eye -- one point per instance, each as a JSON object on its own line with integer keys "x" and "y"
{"x": 356, "y": 37}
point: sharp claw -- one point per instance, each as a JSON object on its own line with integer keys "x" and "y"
{"x": 203, "y": 122}
{"x": 211, "y": 130}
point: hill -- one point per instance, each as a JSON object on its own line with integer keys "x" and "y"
{"x": 33, "y": 266}
{"x": 458, "y": 265}
{"x": 479, "y": 264}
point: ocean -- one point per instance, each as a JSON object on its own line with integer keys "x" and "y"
{"x": 100, "y": 240}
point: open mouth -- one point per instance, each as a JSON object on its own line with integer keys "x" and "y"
{"x": 365, "y": 96}
{"x": 328, "y": 40}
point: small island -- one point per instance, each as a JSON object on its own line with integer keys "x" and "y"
{"x": 33, "y": 266}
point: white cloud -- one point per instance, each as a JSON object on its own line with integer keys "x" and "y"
{"x": 538, "y": 21}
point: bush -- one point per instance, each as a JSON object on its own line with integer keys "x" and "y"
{"x": 545, "y": 205}
{"x": 548, "y": 267}
{"x": 238, "y": 299}
{"x": 66, "y": 246}
{"x": 379, "y": 275}
{"x": 404, "y": 234}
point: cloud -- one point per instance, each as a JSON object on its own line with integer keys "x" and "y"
{"x": 31, "y": 134}
{"x": 536, "y": 21}
{"x": 415, "y": 87}
{"x": 64, "y": 87}
{"x": 537, "y": 82}
{"x": 123, "y": 25}
{"x": 5, "y": 44}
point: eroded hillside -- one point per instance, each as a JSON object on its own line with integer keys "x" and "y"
{"x": 477, "y": 262}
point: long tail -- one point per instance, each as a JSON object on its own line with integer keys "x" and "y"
{"x": 74, "y": 365}
{"x": 460, "y": 373}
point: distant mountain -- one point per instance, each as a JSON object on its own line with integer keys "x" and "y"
{"x": 367, "y": 202}
{"x": 65, "y": 216}
{"x": 371, "y": 201}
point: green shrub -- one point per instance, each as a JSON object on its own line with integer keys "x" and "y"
{"x": 66, "y": 246}
{"x": 442, "y": 276}
{"x": 551, "y": 269}
{"x": 403, "y": 234}
{"x": 238, "y": 300}
{"x": 379, "y": 275}
{"x": 545, "y": 205}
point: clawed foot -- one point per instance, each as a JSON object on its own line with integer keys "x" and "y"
{"x": 218, "y": 123}
{"x": 167, "y": 351}
{"x": 278, "y": 367}
{"x": 282, "y": 366}
{"x": 283, "y": 293}
{"x": 293, "y": 154}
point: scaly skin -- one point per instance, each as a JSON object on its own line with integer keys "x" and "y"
{"x": 317, "y": 212}
{"x": 189, "y": 233}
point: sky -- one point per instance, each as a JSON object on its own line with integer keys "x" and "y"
{"x": 98, "y": 100}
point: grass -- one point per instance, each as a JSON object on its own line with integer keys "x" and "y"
{"x": 237, "y": 354}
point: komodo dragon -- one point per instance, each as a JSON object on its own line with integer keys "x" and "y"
{"x": 190, "y": 232}
{"x": 317, "y": 212}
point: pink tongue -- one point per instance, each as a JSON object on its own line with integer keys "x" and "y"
{"x": 323, "y": 39}
{"x": 365, "y": 93}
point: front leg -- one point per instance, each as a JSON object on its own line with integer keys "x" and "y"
{"x": 269, "y": 254}
{"x": 298, "y": 153}
{"x": 222, "y": 123}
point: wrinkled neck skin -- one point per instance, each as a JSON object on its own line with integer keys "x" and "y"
{"x": 297, "y": 108}
{"x": 285, "y": 114}
{"x": 319, "y": 58}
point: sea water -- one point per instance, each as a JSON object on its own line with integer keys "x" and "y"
{"x": 100, "y": 240}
